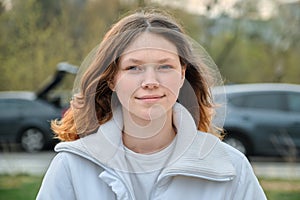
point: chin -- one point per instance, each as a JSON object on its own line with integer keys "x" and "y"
{"x": 150, "y": 114}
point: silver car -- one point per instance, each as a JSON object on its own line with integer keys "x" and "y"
{"x": 263, "y": 119}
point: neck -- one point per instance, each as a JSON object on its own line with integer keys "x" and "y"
{"x": 145, "y": 136}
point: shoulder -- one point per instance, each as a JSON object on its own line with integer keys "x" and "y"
{"x": 71, "y": 163}
{"x": 244, "y": 172}
{"x": 66, "y": 160}
{"x": 68, "y": 173}
{"x": 212, "y": 148}
{"x": 246, "y": 180}
{"x": 234, "y": 154}
{"x": 217, "y": 145}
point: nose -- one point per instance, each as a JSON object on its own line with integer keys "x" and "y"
{"x": 150, "y": 80}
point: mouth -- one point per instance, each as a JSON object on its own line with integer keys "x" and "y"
{"x": 150, "y": 98}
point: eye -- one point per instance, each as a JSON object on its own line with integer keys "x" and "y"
{"x": 165, "y": 67}
{"x": 132, "y": 68}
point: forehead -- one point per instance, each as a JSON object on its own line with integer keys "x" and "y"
{"x": 150, "y": 46}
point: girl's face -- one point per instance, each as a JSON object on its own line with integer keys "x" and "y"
{"x": 149, "y": 78}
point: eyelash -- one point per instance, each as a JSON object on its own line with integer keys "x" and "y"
{"x": 131, "y": 68}
{"x": 163, "y": 66}
{"x": 159, "y": 67}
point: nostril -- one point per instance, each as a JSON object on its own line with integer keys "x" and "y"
{"x": 150, "y": 84}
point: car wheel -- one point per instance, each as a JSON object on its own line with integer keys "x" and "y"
{"x": 237, "y": 143}
{"x": 32, "y": 140}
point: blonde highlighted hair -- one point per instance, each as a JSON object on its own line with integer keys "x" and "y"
{"x": 92, "y": 107}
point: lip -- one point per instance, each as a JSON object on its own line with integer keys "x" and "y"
{"x": 150, "y": 98}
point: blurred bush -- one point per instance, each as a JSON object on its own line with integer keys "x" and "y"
{"x": 38, "y": 34}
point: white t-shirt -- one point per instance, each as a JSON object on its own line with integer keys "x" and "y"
{"x": 145, "y": 169}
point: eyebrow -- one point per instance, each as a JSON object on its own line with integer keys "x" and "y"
{"x": 139, "y": 62}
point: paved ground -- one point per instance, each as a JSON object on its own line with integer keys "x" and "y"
{"x": 277, "y": 170}
{"x": 19, "y": 162}
{"x": 37, "y": 164}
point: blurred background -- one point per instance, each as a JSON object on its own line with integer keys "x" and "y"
{"x": 252, "y": 41}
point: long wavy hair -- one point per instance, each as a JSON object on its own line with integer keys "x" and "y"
{"x": 92, "y": 107}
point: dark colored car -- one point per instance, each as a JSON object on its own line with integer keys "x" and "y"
{"x": 24, "y": 119}
{"x": 25, "y": 116}
{"x": 263, "y": 119}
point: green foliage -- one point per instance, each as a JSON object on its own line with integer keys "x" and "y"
{"x": 38, "y": 34}
{"x": 28, "y": 50}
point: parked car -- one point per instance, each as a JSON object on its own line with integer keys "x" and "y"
{"x": 47, "y": 91}
{"x": 25, "y": 116}
{"x": 263, "y": 119}
{"x": 24, "y": 119}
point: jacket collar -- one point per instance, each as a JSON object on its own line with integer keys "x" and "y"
{"x": 196, "y": 154}
{"x": 207, "y": 158}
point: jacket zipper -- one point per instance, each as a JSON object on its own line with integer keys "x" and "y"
{"x": 117, "y": 177}
{"x": 207, "y": 177}
{"x": 169, "y": 175}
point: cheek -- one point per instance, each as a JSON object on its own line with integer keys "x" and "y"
{"x": 173, "y": 85}
{"x": 122, "y": 82}
{"x": 125, "y": 87}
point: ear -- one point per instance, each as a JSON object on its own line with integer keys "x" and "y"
{"x": 183, "y": 69}
{"x": 111, "y": 85}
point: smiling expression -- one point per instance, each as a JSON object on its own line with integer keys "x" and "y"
{"x": 149, "y": 78}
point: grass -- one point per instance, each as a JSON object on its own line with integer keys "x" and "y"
{"x": 19, "y": 186}
{"x": 281, "y": 189}
{"x": 25, "y": 187}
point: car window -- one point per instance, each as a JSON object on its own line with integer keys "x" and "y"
{"x": 237, "y": 100}
{"x": 267, "y": 101}
{"x": 294, "y": 102}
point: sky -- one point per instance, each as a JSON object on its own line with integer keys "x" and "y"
{"x": 267, "y": 8}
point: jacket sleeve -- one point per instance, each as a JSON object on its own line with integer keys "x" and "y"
{"x": 248, "y": 187}
{"x": 57, "y": 181}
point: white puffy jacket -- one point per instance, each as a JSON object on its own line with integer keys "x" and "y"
{"x": 202, "y": 167}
